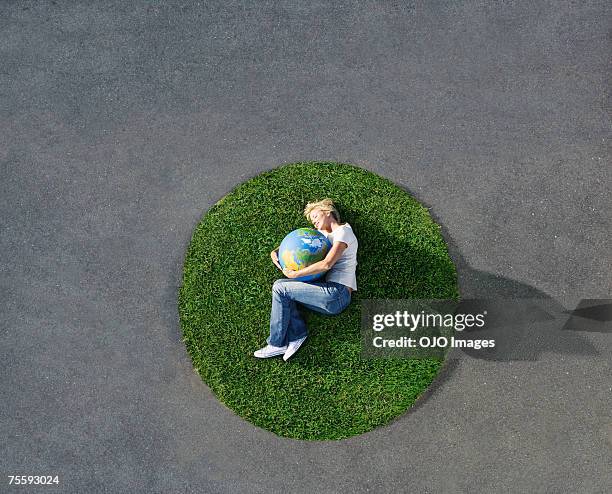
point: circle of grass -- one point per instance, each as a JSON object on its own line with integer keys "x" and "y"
{"x": 326, "y": 390}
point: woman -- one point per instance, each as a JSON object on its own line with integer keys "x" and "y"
{"x": 287, "y": 327}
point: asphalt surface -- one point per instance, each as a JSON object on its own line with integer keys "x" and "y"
{"x": 122, "y": 123}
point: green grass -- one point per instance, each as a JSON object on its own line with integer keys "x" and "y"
{"x": 326, "y": 391}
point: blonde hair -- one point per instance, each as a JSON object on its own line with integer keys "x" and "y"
{"x": 325, "y": 205}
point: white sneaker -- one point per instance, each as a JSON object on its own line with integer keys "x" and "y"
{"x": 293, "y": 347}
{"x": 270, "y": 351}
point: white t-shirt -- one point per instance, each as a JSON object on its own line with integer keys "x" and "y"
{"x": 343, "y": 271}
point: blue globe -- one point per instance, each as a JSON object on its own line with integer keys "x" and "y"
{"x": 301, "y": 248}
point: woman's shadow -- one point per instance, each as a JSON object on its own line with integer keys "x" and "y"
{"x": 532, "y": 322}
{"x": 528, "y": 321}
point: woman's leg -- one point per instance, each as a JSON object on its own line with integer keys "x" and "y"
{"x": 286, "y": 322}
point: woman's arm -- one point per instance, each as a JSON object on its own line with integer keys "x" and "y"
{"x": 319, "y": 267}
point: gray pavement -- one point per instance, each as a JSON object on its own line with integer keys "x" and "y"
{"x": 122, "y": 123}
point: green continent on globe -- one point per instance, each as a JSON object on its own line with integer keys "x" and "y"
{"x": 305, "y": 257}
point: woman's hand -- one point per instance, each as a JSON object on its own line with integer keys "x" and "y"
{"x": 290, "y": 273}
{"x": 274, "y": 256}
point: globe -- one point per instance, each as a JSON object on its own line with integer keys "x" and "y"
{"x": 301, "y": 248}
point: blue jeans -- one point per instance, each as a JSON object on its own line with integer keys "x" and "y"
{"x": 286, "y": 322}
